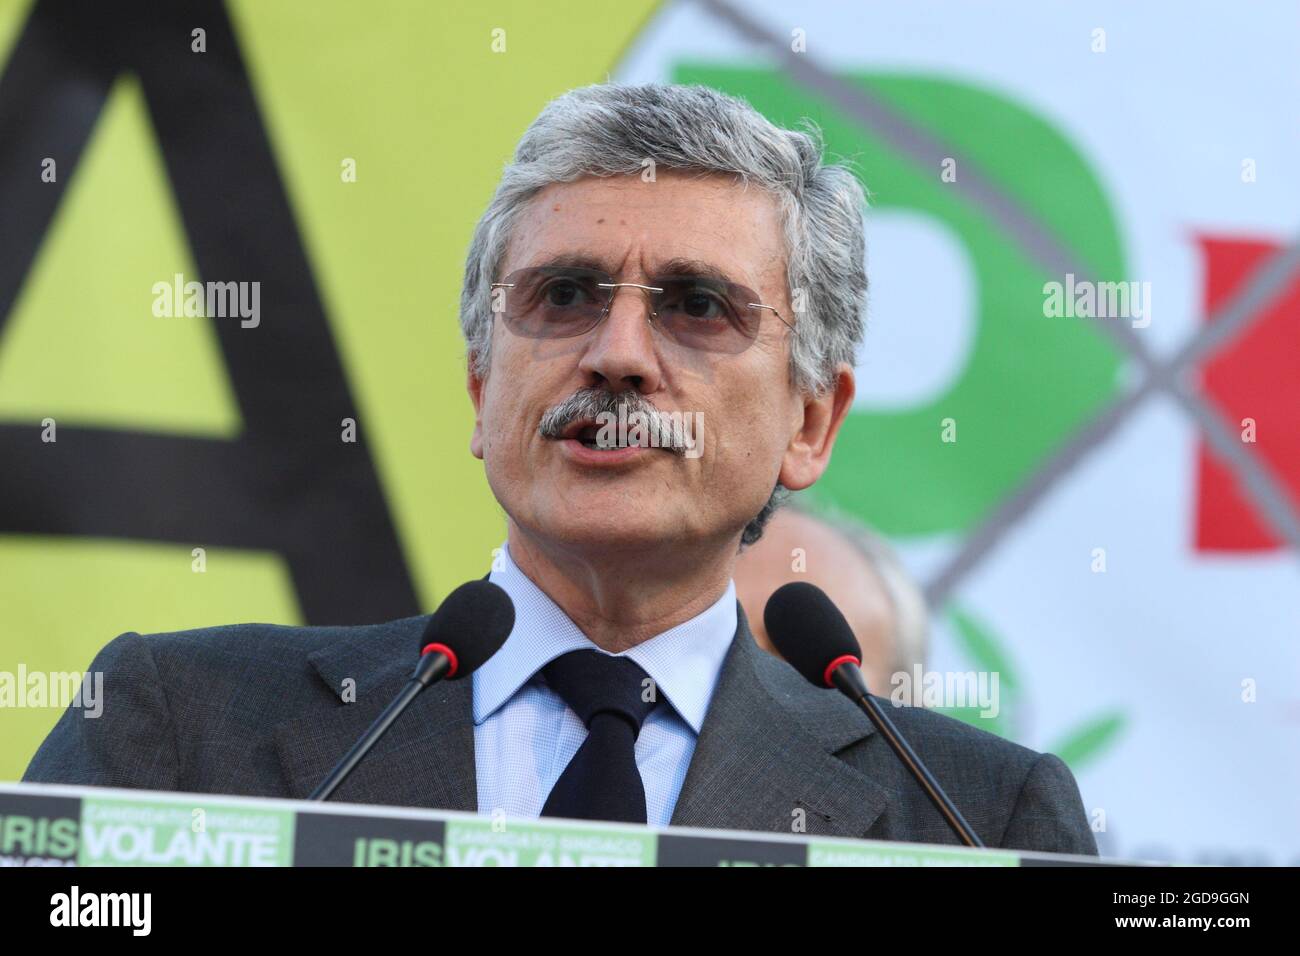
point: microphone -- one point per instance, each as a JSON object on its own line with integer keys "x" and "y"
{"x": 812, "y": 635}
{"x": 468, "y": 628}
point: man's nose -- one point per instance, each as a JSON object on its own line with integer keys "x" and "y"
{"x": 622, "y": 350}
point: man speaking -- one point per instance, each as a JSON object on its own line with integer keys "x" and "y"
{"x": 661, "y": 305}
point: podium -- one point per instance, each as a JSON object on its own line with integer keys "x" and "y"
{"x": 58, "y": 825}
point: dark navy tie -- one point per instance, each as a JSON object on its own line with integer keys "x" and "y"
{"x": 609, "y": 694}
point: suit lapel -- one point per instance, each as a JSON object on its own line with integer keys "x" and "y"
{"x": 764, "y": 760}
{"x": 766, "y": 764}
{"x": 427, "y": 757}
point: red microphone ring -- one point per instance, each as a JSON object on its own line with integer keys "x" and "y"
{"x": 833, "y": 665}
{"x": 446, "y": 652}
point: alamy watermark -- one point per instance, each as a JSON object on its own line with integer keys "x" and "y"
{"x": 59, "y": 689}
{"x": 600, "y": 418}
{"x": 214, "y": 300}
{"x": 922, "y": 688}
{"x": 1086, "y": 299}
{"x": 130, "y": 910}
{"x": 680, "y": 432}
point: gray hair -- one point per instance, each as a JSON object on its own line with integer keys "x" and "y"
{"x": 612, "y": 129}
{"x": 911, "y": 616}
{"x": 911, "y": 631}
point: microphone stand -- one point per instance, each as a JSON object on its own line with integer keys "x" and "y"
{"x": 848, "y": 678}
{"x": 432, "y": 667}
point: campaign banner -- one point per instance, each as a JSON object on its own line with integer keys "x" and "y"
{"x": 51, "y": 825}
{"x": 1078, "y": 399}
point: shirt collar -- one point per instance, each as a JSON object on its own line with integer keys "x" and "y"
{"x": 684, "y": 662}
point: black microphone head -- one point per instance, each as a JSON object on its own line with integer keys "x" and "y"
{"x": 473, "y": 622}
{"x": 809, "y": 631}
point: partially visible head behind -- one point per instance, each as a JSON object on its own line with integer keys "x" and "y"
{"x": 858, "y": 570}
{"x": 628, "y": 179}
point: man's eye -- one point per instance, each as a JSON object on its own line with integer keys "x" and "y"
{"x": 701, "y": 304}
{"x": 562, "y": 292}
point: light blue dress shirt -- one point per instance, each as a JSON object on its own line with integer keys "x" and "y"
{"x": 525, "y": 735}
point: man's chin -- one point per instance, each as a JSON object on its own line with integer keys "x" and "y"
{"x": 611, "y": 528}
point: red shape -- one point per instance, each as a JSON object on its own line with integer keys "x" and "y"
{"x": 1255, "y": 375}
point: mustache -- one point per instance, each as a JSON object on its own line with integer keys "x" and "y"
{"x": 592, "y": 402}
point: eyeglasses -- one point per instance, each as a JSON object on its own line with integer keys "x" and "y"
{"x": 699, "y": 312}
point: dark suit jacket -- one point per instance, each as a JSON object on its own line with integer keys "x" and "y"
{"x": 256, "y": 709}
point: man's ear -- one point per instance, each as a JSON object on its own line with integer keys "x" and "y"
{"x": 474, "y": 385}
{"x": 810, "y": 448}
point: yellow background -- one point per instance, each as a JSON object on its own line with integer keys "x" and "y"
{"x": 415, "y": 94}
